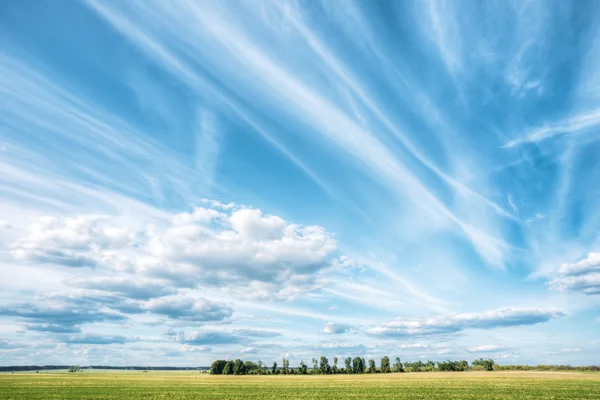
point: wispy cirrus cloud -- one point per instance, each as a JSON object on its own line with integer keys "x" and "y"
{"x": 586, "y": 122}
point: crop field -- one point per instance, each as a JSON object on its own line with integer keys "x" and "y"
{"x": 194, "y": 385}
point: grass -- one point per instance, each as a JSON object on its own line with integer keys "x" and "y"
{"x": 193, "y": 385}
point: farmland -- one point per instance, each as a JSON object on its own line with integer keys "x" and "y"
{"x": 195, "y": 385}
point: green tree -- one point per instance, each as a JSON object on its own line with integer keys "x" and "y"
{"x": 385, "y": 365}
{"x": 358, "y": 365}
{"x": 372, "y": 367}
{"x": 324, "y": 367}
{"x": 348, "y": 365}
{"x": 488, "y": 364}
{"x": 285, "y": 367}
{"x": 303, "y": 369}
{"x": 274, "y": 369}
{"x": 251, "y": 368}
{"x": 264, "y": 368}
{"x": 216, "y": 368}
{"x": 335, "y": 367}
{"x": 315, "y": 369}
{"x": 229, "y": 367}
{"x": 238, "y": 367}
{"x": 398, "y": 367}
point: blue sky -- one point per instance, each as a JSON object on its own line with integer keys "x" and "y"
{"x": 191, "y": 181}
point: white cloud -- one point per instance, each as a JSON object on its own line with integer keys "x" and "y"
{"x": 249, "y": 350}
{"x": 262, "y": 255}
{"x": 188, "y": 309}
{"x": 414, "y": 346}
{"x": 587, "y": 284}
{"x": 139, "y": 289}
{"x": 342, "y": 348}
{"x": 79, "y": 241}
{"x": 333, "y": 328}
{"x": 573, "y": 350}
{"x": 234, "y": 248}
{"x": 589, "y": 264}
{"x": 452, "y": 323}
{"x": 576, "y": 124}
{"x": 582, "y": 276}
{"x": 211, "y": 338}
{"x": 485, "y": 349}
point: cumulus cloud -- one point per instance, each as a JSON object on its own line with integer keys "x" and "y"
{"x": 584, "y": 266}
{"x": 452, "y": 323}
{"x": 189, "y": 309}
{"x": 333, "y": 328}
{"x": 70, "y": 241}
{"x": 240, "y": 248}
{"x": 582, "y": 276}
{"x": 233, "y": 248}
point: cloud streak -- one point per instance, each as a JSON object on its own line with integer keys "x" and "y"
{"x": 454, "y": 323}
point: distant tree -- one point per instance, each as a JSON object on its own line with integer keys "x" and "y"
{"x": 358, "y": 365}
{"x": 216, "y": 368}
{"x": 429, "y": 366}
{"x": 251, "y": 367}
{"x": 315, "y": 369}
{"x": 364, "y": 363}
{"x": 452, "y": 365}
{"x": 348, "y": 365}
{"x": 372, "y": 367}
{"x": 385, "y": 365}
{"x": 74, "y": 368}
{"x": 285, "y": 367}
{"x": 264, "y": 369}
{"x": 324, "y": 367}
{"x": 488, "y": 365}
{"x": 238, "y": 367}
{"x": 229, "y": 367}
{"x": 398, "y": 367}
{"x": 274, "y": 369}
{"x": 335, "y": 367}
{"x": 303, "y": 369}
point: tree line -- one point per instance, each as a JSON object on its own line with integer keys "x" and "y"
{"x": 356, "y": 365}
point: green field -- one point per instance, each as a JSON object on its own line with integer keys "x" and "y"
{"x": 194, "y": 385}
